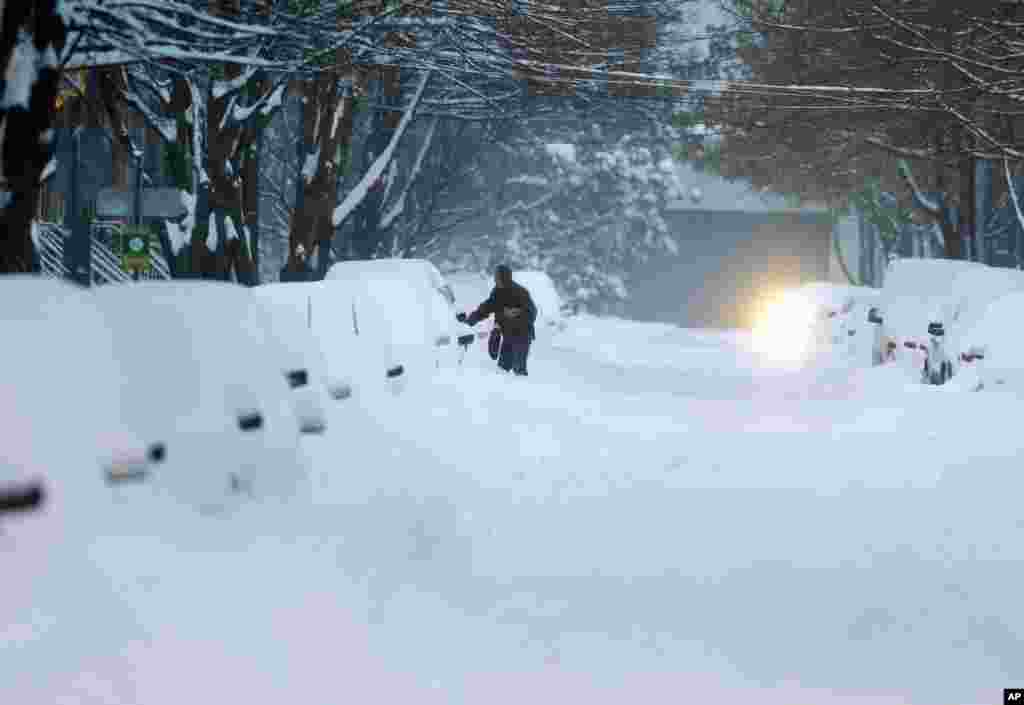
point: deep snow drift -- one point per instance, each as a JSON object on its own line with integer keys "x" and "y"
{"x": 652, "y": 516}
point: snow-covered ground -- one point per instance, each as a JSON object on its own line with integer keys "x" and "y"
{"x": 654, "y": 515}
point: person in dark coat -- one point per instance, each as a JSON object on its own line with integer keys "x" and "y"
{"x": 515, "y": 316}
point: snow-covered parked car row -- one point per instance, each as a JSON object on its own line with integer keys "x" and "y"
{"x": 938, "y": 317}
{"x": 203, "y": 388}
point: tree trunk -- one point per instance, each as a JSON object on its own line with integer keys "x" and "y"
{"x": 227, "y": 141}
{"x": 27, "y": 146}
{"x": 251, "y": 198}
{"x": 968, "y": 215}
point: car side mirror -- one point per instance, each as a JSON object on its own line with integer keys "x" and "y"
{"x": 250, "y": 421}
{"x": 26, "y": 498}
{"x": 297, "y": 378}
{"x": 467, "y": 340}
{"x": 874, "y": 316}
{"x": 396, "y": 371}
{"x": 156, "y": 453}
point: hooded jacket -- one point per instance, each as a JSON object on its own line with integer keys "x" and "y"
{"x": 501, "y": 303}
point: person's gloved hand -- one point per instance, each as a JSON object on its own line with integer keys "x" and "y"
{"x": 461, "y": 318}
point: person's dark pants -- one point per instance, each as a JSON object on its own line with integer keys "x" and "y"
{"x": 514, "y": 351}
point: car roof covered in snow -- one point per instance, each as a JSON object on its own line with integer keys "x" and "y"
{"x": 919, "y": 291}
{"x": 386, "y": 267}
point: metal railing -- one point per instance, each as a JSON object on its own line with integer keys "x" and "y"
{"x": 50, "y": 239}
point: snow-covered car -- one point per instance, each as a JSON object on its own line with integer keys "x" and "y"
{"x": 198, "y": 373}
{"x": 61, "y": 420}
{"x": 358, "y": 362}
{"x": 917, "y": 300}
{"x": 300, "y": 356}
{"x": 995, "y": 344}
{"x": 545, "y": 296}
{"x": 973, "y": 291}
{"x": 404, "y": 301}
{"x": 928, "y": 307}
{"x": 63, "y": 437}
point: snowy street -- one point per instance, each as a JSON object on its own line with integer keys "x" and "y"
{"x": 657, "y": 518}
{"x": 530, "y": 353}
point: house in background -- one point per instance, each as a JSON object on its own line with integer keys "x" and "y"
{"x": 737, "y": 248}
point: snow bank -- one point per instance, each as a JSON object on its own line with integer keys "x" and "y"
{"x": 196, "y": 361}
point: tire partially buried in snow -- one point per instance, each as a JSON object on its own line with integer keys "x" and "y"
{"x": 198, "y": 374}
